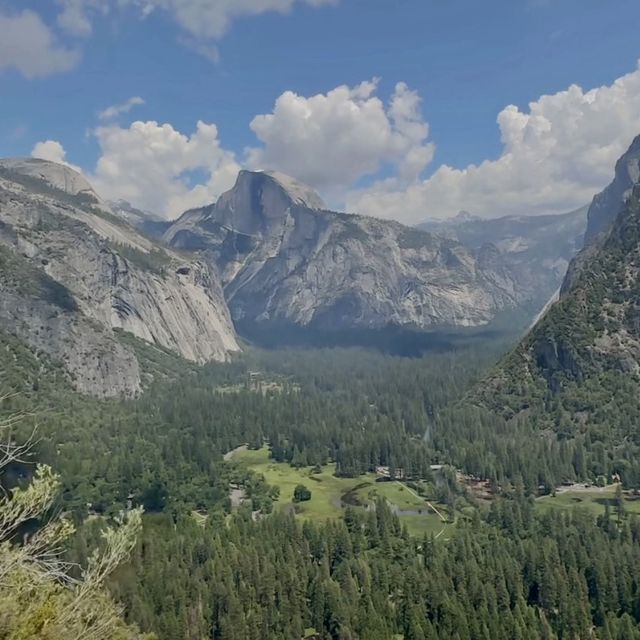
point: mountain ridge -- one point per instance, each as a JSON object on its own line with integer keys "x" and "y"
{"x": 284, "y": 262}
{"x": 537, "y": 249}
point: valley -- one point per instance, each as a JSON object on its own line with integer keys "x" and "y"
{"x": 402, "y": 446}
{"x": 319, "y": 320}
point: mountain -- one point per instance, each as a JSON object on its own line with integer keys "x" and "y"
{"x": 593, "y": 330}
{"x": 74, "y": 274}
{"x": 286, "y": 261}
{"x": 577, "y": 373}
{"x": 564, "y": 405}
{"x": 537, "y": 250}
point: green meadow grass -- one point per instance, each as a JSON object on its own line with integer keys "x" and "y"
{"x": 591, "y": 501}
{"x": 327, "y": 491}
{"x": 396, "y": 493}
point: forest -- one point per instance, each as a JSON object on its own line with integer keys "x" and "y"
{"x": 203, "y": 567}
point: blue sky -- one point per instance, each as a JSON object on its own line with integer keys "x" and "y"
{"x": 466, "y": 61}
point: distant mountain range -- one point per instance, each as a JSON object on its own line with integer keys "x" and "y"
{"x": 145, "y": 221}
{"x": 536, "y": 249}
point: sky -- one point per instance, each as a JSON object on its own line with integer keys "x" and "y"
{"x": 403, "y": 109}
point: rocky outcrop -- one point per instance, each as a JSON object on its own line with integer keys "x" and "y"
{"x": 75, "y": 272}
{"x": 283, "y": 258}
{"x": 44, "y": 177}
{"x": 146, "y": 222}
{"x": 607, "y": 205}
{"x": 604, "y": 210}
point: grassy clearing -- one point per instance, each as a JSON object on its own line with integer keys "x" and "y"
{"x": 429, "y": 524}
{"x": 326, "y": 489}
{"x": 264, "y": 387}
{"x": 592, "y": 501}
{"x": 328, "y": 492}
{"x": 397, "y": 494}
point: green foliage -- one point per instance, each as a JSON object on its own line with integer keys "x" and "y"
{"x": 565, "y": 404}
{"x": 38, "y": 598}
{"x": 350, "y": 230}
{"x": 513, "y": 573}
{"x": 508, "y": 574}
{"x": 156, "y": 362}
{"x": 410, "y": 238}
{"x": 301, "y": 494}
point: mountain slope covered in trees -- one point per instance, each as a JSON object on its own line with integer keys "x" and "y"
{"x": 571, "y": 388}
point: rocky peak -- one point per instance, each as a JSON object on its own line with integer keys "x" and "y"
{"x": 148, "y": 223}
{"x": 259, "y": 202}
{"x": 298, "y": 192}
{"x": 606, "y": 205}
{"x": 464, "y": 216}
{"x": 285, "y": 261}
{"x": 50, "y": 174}
{"x": 131, "y": 214}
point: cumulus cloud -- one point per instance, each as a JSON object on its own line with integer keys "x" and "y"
{"x": 332, "y": 140}
{"x": 53, "y": 151}
{"x": 160, "y": 169}
{"x": 118, "y": 109}
{"x": 29, "y": 46}
{"x": 556, "y": 155}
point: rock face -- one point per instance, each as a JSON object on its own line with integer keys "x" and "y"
{"x": 537, "y": 250}
{"x": 608, "y": 204}
{"x": 604, "y": 210}
{"x": 42, "y": 174}
{"x": 73, "y": 273}
{"x": 285, "y": 259}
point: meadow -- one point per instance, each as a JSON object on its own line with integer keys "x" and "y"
{"x": 592, "y": 500}
{"x": 330, "y": 494}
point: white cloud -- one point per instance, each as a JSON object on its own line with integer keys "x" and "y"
{"x": 28, "y": 45}
{"x": 118, "y": 109}
{"x": 159, "y": 169}
{"x": 556, "y": 155}
{"x": 75, "y": 16}
{"x": 32, "y": 47}
{"x": 53, "y": 151}
{"x": 332, "y": 140}
{"x": 211, "y": 19}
